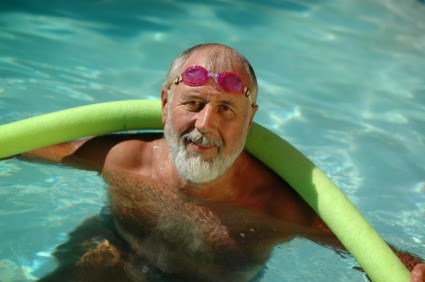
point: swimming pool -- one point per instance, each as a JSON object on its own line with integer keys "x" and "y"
{"x": 342, "y": 81}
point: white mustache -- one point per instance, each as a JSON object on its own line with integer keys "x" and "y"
{"x": 202, "y": 140}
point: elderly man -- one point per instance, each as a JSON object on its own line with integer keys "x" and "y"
{"x": 193, "y": 204}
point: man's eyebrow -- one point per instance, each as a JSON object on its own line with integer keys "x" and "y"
{"x": 203, "y": 97}
{"x": 227, "y": 102}
{"x": 193, "y": 95}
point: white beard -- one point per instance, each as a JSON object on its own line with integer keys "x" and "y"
{"x": 193, "y": 168}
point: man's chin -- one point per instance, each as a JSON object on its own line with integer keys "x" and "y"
{"x": 198, "y": 170}
{"x": 200, "y": 158}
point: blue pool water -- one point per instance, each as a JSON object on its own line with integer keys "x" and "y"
{"x": 343, "y": 81}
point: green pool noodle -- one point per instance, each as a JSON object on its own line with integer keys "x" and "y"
{"x": 355, "y": 233}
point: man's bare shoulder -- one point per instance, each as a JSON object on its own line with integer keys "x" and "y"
{"x": 278, "y": 197}
{"x": 133, "y": 150}
{"x": 257, "y": 172}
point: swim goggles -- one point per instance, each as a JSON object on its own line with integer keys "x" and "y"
{"x": 228, "y": 81}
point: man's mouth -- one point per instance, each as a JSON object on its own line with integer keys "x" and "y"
{"x": 201, "y": 144}
{"x": 199, "y": 147}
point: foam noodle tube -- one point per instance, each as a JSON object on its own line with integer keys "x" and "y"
{"x": 355, "y": 233}
{"x": 66, "y": 125}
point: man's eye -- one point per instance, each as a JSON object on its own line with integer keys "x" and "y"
{"x": 226, "y": 108}
{"x": 194, "y": 105}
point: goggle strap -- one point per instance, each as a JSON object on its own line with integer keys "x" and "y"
{"x": 178, "y": 80}
{"x": 247, "y": 93}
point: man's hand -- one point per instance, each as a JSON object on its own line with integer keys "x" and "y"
{"x": 418, "y": 273}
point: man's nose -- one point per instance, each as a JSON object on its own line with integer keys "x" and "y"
{"x": 206, "y": 120}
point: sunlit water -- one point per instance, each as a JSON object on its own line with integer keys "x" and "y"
{"x": 343, "y": 81}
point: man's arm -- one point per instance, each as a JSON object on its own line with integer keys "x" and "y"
{"x": 53, "y": 154}
{"x": 413, "y": 263}
{"x": 89, "y": 153}
{"x": 418, "y": 273}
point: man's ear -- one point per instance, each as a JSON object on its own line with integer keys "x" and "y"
{"x": 164, "y": 103}
{"x": 254, "y": 109}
